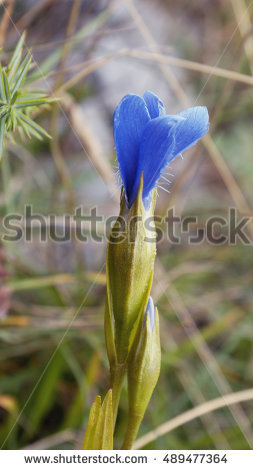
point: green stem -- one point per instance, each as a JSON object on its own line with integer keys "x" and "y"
{"x": 133, "y": 425}
{"x": 6, "y": 176}
{"x": 117, "y": 378}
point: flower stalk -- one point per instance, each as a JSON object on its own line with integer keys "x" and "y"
{"x": 130, "y": 263}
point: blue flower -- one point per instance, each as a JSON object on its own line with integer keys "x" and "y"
{"x": 147, "y": 140}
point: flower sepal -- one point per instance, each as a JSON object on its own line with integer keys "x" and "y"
{"x": 130, "y": 263}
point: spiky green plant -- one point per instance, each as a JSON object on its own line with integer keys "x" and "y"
{"x": 17, "y": 99}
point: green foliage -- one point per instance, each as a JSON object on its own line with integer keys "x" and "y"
{"x": 17, "y": 102}
{"x": 43, "y": 397}
{"x": 99, "y": 433}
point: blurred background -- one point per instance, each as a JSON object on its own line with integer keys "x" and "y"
{"x": 53, "y": 359}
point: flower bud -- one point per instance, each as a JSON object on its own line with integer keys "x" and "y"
{"x": 130, "y": 263}
{"x": 143, "y": 370}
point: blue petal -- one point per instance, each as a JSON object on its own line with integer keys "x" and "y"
{"x": 129, "y": 121}
{"x": 156, "y": 148}
{"x": 154, "y": 104}
{"x": 190, "y": 130}
{"x": 150, "y": 313}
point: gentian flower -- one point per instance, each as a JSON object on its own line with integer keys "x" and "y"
{"x": 147, "y": 140}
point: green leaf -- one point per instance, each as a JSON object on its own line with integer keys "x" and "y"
{"x": 11, "y": 121}
{"x": 32, "y": 125}
{"x": 12, "y": 72}
{"x": 2, "y": 94}
{"x": 28, "y": 131}
{"x": 24, "y": 66}
{"x": 23, "y": 126}
{"x": 37, "y": 75}
{"x": 99, "y": 433}
{"x": 4, "y": 110}
{"x": 6, "y": 86}
{"x": 17, "y": 51}
{"x": 32, "y": 94}
{"x": 103, "y": 439}
{"x": 15, "y": 103}
{"x": 33, "y": 102}
{"x": 93, "y": 419}
{"x": 2, "y": 129}
{"x": 14, "y": 97}
{"x": 109, "y": 336}
{"x": 35, "y": 134}
{"x": 21, "y": 132}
